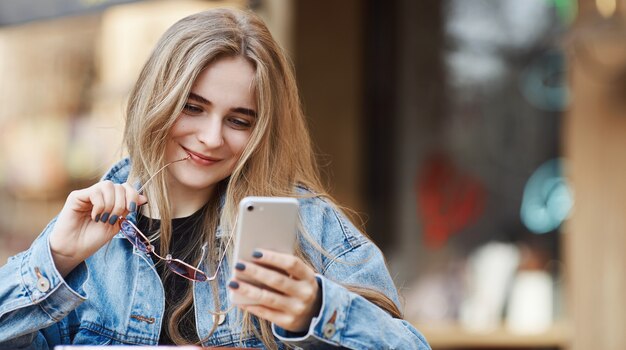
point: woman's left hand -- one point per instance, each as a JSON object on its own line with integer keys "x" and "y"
{"x": 294, "y": 298}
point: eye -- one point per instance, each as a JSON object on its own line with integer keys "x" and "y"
{"x": 240, "y": 123}
{"x": 191, "y": 109}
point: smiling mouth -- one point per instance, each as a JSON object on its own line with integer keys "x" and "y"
{"x": 199, "y": 157}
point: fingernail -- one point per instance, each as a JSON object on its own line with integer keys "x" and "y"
{"x": 257, "y": 254}
{"x": 105, "y": 217}
{"x": 240, "y": 266}
{"x": 113, "y": 219}
{"x": 97, "y": 218}
{"x": 132, "y": 207}
{"x": 233, "y": 284}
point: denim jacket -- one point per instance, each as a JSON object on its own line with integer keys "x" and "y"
{"x": 116, "y": 295}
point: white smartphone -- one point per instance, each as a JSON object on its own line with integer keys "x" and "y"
{"x": 267, "y": 223}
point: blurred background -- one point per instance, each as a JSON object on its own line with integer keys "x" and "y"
{"x": 482, "y": 142}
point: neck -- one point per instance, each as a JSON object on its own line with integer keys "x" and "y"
{"x": 185, "y": 203}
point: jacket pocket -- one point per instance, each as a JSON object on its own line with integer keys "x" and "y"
{"x": 89, "y": 337}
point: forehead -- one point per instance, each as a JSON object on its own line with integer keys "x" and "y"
{"x": 229, "y": 80}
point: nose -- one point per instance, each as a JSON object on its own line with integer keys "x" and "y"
{"x": 211, "y": 133}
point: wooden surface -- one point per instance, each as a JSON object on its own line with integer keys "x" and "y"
{"x": 595, "y": 235}
{"x": 454, "y": 336}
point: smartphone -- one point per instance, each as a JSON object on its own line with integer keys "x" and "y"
{"x": 263, "y": 222}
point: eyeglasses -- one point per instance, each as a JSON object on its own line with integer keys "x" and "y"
{"x": 141, "y": 242}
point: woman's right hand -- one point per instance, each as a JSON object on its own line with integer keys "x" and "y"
{"x": 88, "y": 220}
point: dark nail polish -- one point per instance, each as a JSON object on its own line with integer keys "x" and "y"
{"x": 257, "y": 254}
{"x": 97, "y": 218}
{"x": 233, "y": 284}
{"x": 132, "y": 207}
{"x": 240, "y": 266}
{"x": 113, "y": 219}
{"x": 105, "y": 217}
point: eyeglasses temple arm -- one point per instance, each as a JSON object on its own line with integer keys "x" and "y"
{"x": 158, "y": 171}
{"x": 219, "y": 263}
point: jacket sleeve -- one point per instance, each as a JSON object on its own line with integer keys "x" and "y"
{"x": 34, "y": 296}
{"x": 346, "y": 319}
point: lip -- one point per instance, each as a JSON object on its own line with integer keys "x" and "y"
{"x": 201, "y": 158}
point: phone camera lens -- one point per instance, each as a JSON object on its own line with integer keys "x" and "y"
{"x": 250, "y": 208}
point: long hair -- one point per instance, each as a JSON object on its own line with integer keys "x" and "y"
{"x": 278, "y": 156}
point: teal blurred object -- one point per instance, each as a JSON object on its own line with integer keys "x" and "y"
{"x": 547, "y": 199}
{"x": 543, "y": 82}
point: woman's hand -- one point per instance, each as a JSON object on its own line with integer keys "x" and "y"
{"x": 88, "y": 220}
{"x": 294, "y": 298}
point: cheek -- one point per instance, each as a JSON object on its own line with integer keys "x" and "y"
{"x": 182, "y": 125}
{"x": 238, "y": 142}
{"x": 179, "y": 128}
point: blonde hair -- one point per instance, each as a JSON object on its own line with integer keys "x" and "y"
{"x": 278, "y": 156}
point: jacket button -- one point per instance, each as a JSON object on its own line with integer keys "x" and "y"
{"x": 43, "y": 285}
{"x": 329, "y": 330}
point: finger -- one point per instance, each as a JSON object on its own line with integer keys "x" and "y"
{"x": 268, "y": 277}
{"x": 97, "y": 201}
{"x": 261, "y": 296}
{"x": 142, "y": 200}
{"x": 132, "y": 197}
{"x": 289, "y": 263}
{"x": 88, "y": 200}
{"x": 119, "y": 208}
{"x": 285, "y": 321}
{"x": 139, "y": 197}
{"x": 108, "y": 194}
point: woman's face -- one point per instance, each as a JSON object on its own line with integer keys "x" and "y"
{"x": 213, "y": 128}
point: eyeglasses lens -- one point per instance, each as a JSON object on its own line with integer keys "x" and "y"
{"x": 186, "y": 271}
{"x": 133, "y": 236}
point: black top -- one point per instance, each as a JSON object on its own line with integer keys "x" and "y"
{"x": 176, "y": 286}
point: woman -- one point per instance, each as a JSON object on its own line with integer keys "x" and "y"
{"x": 214, "y": 117}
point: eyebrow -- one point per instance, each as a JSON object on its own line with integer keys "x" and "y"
{"x": 241, "y": 110}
